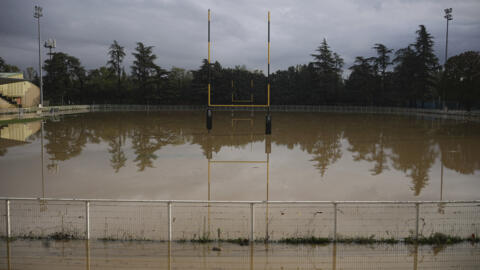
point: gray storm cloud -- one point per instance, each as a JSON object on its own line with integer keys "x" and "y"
{"x": 178, "y": 29}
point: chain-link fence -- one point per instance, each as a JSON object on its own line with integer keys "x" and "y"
{"x": 228, "y": 220}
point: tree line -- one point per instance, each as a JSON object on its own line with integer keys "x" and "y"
{"x": 408, "y": 77}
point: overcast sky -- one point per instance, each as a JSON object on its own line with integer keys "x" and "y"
{"x": 178, "y": 29}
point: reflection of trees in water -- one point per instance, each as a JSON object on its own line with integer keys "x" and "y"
{"x": 413, "y": 150}
{"x": 459, "y": 147}
{"x": 318, "y": 136}
{"x": 415, "y": 160}
{"x": 148, "y": 134}
{"x": 405, "y": 142}
{"x": 366, "y": 138}
{"x": 118, "y": 158}
{"x": 3, "y": 151}
{"x": 66, "y": 139}
{"x": 409, "y": 145}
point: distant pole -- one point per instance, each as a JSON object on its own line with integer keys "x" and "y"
{"x": 209, "y": 111}
{"x": 448, "y": 17}
{"x": 268, "y": 66}
{"x": 37, "y": 14}
{"x": 209, "y": 75}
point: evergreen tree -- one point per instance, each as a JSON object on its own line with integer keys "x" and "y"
{"x": 65, "y": 78}
{"x": 382, "y": 61}
{"x": 143, "y": 67}
{"x": 427, "y": 64}
{"x": 116, "y": 54}
{"x": 462, "y": 79}
{"x": 324, "y": 61}
{"x": 4, "y": 67}
{"x": 328, "y": 66}
{"x": 144, "y": 71}
{"x": 361, "y": 82}
{"x": 405, "y": 74}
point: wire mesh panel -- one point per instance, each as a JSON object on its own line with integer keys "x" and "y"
{"x": 452, "y": 219}
{"x": 278, "y": 221}
{"x": 376, "y": 220}
{"x": 210, "y": 221}
{"x": 38, "y": 218}
{"x": 129, "y": 220}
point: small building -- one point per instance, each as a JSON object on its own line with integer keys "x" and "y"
{"x": 16, "y": 92}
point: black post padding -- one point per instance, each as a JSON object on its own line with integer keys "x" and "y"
{"x": 268, "y": 124}
{"x": 209, "y": 119}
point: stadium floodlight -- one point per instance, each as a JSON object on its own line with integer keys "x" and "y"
{"x": 50, "y": 44}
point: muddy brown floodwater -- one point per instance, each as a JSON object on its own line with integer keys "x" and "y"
{"x": 78, "y": 254}
{"x": 309, "y": 156}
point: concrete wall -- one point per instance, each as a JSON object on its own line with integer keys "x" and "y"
{"x": 4, "y": 104}
{"x": 32, "y": 95}
{"x": 26, "y": 93}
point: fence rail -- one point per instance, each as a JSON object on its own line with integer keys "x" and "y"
{"x": 174, "y": 220}
{"x": 278, "y": 108}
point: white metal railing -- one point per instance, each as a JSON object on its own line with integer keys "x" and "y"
{"x": 281, "y": 108}
{"x": 463, "y": 219}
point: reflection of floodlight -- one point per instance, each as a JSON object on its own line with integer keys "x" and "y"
{"x": 37, "y": 14}
{"x": 448, "y": 16}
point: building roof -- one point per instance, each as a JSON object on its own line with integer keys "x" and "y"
{"x": 15, "y": 75}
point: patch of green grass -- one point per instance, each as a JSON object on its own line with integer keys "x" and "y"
{"x": 473, "y": 239}
{"x": 53, "y": 236}
{"x": 305, "y": 240}
{"x": 389, "y": 240}
{"x": 358, "y": 240}
{"x": 16, "y": 121}
{"x": 203, "y": 239}
{"x": 434, "y": 239}
{"x": 240, "y": 241}
{"x": 62, "y": 236}
{"x": 107, "y": 239}
{"x": 112, "y": 239}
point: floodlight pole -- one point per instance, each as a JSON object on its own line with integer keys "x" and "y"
{"x": 209, "y": 75}
{"x": 37, "y": 14}
{"x": 268, "y": 66}
{"x": 448, "y": 17}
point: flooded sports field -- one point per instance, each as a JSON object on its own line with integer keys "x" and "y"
{"x": 125, "y": 167}
{"x": 309, "y": 156}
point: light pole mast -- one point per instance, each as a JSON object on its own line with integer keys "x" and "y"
{"x": 448, "y": 16}
{"x": 37, "y": 14}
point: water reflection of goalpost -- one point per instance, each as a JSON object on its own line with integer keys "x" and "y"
{"x": 268, "y": 149}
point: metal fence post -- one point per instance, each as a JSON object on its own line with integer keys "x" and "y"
{"x": 7, "y": 206}
{"x": 87, "y": 219}
{"x": 335, "y": 222}
{"x": 252, "y": 222}
{"x": 417, "y": 206}
{"x": 169, "y": 207}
